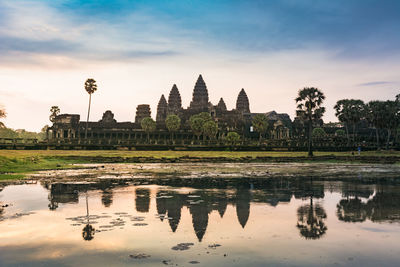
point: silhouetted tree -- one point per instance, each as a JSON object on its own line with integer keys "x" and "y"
{"x": 340, "y": 133}
{"x": 173, "y": 123}
{"x": 210, "y": 129}
{"x": 318, "y": 133}
{"x": 298, "y": 127}
{"x": 197, "y": 122}
{"x": 90, "y": 87}
{"x": 88, "y": 231}
{"x": 232, "y": 138}
{"x": 260, "y": 124}
{"x": 309, "y": 108}
{"x": 376, "y": 115}
{"x": 310, "y": 220}
{"x": 392, "y": 121}
{"x": 107, "y": 198}
{"x": 351, "y": 210}
{"x": 148, "y": 125}
{"x": 350, "y": 112}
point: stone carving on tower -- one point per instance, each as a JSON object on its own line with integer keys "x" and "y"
{"x": 162, "y": 110}
{"x": 242, "y": 102}
{"x": 174, "y": 101}
{"x": 200, "y": 96}
{"x": 142, "y": 111}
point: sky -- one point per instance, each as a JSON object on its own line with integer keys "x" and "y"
{"x": 136, "y": 51}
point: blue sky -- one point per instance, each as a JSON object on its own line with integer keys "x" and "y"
{"x": 138, "y": 49}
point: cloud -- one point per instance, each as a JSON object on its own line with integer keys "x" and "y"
{"x": 23, "y": 50}
{"x": 126, "y": 30}
{"x": 54, "y": 36}
{"x": 375, "y": 83}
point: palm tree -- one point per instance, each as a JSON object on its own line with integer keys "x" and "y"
{"x": 90, "y": 87}
{"x": 88, "y": 231}
{"x": 311, "y": 220}
{"x": 309, "y": 108}
{"x": 54, "y": 111}
{"x": 173, "y": 123}
{"x": 148, "y": 125}
{"x": 260, "y": 124}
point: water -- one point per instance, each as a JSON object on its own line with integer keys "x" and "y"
{"x": 281, "y": 220}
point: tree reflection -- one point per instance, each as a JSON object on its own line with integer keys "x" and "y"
{"x": 88, "y": 231}
{"x": 311, "y": 217}
{"x": 310, "y": 220}
{"x": 385, "y": 205}
{"x": 107, "y": 198}
{"x": 53, "y": 205}
{"x": 351, "y": 210}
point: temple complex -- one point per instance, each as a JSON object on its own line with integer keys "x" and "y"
{"x": 238, "y": 119}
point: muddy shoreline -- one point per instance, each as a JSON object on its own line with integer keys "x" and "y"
{"x": 190, "y": 159}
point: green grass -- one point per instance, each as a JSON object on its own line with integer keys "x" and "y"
{"x": 12, "y": 167}
{"x": 15, "y": 164}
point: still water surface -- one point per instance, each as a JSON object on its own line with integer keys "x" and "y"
{"x": 278, "y": 221}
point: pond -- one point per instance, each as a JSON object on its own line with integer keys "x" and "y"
{"x": 203, "y": 215}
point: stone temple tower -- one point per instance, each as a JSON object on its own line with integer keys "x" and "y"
{"x": 162, "y": 109}
{"x": 142, "y": 111}
{"x": 242, "y": 102}
{"x": 174, "y": 101}
{"x": 221, "y": 105}
{"x": 200, "y": 96}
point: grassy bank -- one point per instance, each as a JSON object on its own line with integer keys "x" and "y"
{"x": 16, "y": 167}
{"x": 15, "y": 164}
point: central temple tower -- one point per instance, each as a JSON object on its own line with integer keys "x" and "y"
{"x": 200, "y": 96}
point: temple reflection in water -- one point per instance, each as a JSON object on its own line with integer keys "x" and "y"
{"x": 361, "y": 201}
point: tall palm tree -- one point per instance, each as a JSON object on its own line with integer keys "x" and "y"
{"x": 311, "y": 220}
{"x": 90, "y": 87}
{"x": 310, "y": 109}
{"x": 88, "y": 231}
